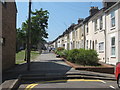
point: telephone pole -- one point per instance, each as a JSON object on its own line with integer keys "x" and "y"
{"x": 28, "y": 37}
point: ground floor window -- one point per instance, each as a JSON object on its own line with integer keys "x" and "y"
{"x": 113, "y": 46}
{"x": 87, "y": 44}
{"x": 101, "y": 47}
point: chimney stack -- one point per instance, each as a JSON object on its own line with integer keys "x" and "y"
{"x": 93, "y": 10}
{"x": 80, "y": 20}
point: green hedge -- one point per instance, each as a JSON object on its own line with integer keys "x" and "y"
{"x": 87, "y": 57}
{"x": 79, "y": 56}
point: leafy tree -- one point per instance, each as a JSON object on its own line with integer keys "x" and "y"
{"x": 21, "y": 36}
{"x": 39, "y": 24}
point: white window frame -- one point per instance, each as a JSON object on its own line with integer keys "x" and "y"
{"x": 113, "y": 46}
{"x": 112, "y": 16}
{"x": 101, "y": 47}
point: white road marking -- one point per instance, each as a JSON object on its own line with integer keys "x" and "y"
{"x": 103, "y": 81}
{"x": 112, "y": 87}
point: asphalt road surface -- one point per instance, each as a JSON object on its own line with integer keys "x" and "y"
{"x": 82, "y": 84}
{"x": 48, "y": 63}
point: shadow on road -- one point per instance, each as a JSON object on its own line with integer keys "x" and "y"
{"x": 36, "y": 68}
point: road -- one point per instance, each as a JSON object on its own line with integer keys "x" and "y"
{"x": 47, "y": 63}
{"x": 90, "y": 84}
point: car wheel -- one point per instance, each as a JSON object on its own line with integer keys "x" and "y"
{"x": 118, "y": 81}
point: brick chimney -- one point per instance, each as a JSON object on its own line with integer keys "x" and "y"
{"x": 80, "y": 20}
{"x": 93, "y": 10}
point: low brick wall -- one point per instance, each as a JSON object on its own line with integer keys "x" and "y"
{"x": 102, "y": 69}
{"x": 109, "y": 70}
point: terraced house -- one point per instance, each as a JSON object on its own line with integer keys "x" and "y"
{"x": 99, "y": 31}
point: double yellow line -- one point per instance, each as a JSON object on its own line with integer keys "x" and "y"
{"x": 29, "y": 87}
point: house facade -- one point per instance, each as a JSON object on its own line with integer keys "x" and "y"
{"x": 95, "y": 35}
{"x": 8, "y": 34}
{"x": 99, "y": 31}
{"x": 113, "y": 34}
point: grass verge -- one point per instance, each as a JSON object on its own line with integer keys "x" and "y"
{"x": 20, "y": 56}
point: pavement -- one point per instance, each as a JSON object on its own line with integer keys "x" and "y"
{"x": 48, "y": 66}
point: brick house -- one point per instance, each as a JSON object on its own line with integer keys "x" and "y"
{"x": 8, "y": 34}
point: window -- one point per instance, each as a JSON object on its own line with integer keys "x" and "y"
{"x": 2, "y": 41}
{"x": 3, "y": 1}
{"x": 95, "y": 44}
{"x": 101, "y": 22}
{"x": 87, "y": 28}
{"x": 76, "y": 34}
{"x": 113, "y": 19}
{"x": 113, "y": 46}
{"x": 73, "y": 34}
{"x": 101, "y": 47}
{"x": 90, "y": 44}
{"x": 95, "y": 25}
{"x": 87, "y": 44}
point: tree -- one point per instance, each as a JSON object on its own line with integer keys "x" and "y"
{"x": 39, "y": 24}
{"x": 21, "y": 36}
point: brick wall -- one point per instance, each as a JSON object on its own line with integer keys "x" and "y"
{"x": 9, "y": 34}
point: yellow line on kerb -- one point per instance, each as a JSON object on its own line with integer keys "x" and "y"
{"x": 29, "y": 87}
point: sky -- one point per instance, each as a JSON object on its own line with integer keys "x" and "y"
{"x": 62, "y": 14}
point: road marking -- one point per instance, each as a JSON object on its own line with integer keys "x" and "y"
{"x": 33, "y": 86}
{"x": 103, "y": 81}
{"x": 29, "y": 87}
{"x": 112, "y": 87}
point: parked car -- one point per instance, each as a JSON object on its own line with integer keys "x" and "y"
{"x": 117, "y": 73}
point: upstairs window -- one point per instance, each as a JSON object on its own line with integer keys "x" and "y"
{"x": 112, "y": 18}
{"x": 95, "y": 25}
{"x": 101, "y": 22}
{"x": 87, "y": 29}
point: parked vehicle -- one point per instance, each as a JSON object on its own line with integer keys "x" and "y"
{"x": 117, "y": 73}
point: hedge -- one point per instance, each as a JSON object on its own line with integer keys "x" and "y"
{"x": 79, "y": 56}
